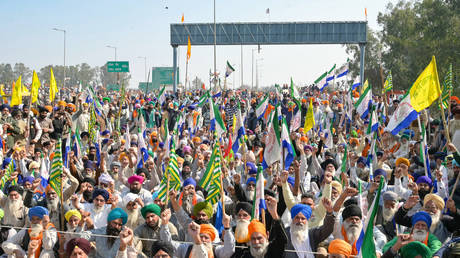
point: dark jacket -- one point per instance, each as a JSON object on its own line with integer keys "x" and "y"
{"x": 278, "y": 240}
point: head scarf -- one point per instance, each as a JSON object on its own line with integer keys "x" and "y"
{"x": 189, "y": 181}
{"x": 256, "y": 226}
{"x": 81, "y": 243}
{"x": 118, "y": 213}
{"x": 71, "y": 213}
{"x": 152, "y": 208}
{"x": 339, "y": 246}
{"x": 301, "y": 208}
{"x": 416, "y": 248}
{"x": 424, "y": 179}
{"x": 421, "y": 216}
{"x": 245, "y": 206}
{"x": 436, "y": 199}
{"x": 38, "y": 211}
{"x": 206, "y": 207}
{"x": 101, "y": 192}
{"x": 351, "y": 211}
{"x": 135, "y": 178}
{"x": 105, "y": 179}
{"x": 403, "y": 161}
{"x": 209, "y": 230}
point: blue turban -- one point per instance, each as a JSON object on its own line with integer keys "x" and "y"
{"x": 421, "y": 216}
{"x": 361, "y": 160}
{"x": 6, "y": 162}
{"x": 379, "y": 172}
{"x": 424, "y": 179}
{"x": 118, "y": 213}
{"x": 89, "y": 164}
{"x": 251, "y": 179}
{"x": 305, "y": 209}
{"x": 189, "y": 181}
{"x": 6, "y": 106}
{"x": 29, "y": 179}
{"x": 291, "y": 181}
{"x": 251, "y": 168}
{"x": 101, "y": 192}
{"x": 38, "y": 211}
{"x": 105, "y": 132}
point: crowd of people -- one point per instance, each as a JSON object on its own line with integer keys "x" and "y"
{"x": 131, "y": 182}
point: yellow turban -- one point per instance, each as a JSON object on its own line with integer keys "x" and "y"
{"x": 402, "y": 160}
{"x": 337, "y": 186}
{"x": 339, "y": 246}
{"x": 436, "y": 199}
{"x": 122, "y": 155}
{"x": 71, "y": 213}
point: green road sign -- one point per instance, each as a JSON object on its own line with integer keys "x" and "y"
{"x": 162, "y": 76}
{"x": 118, "y": 67}
{"x": 113, "y": 87}
{"x": 144, "y": 86}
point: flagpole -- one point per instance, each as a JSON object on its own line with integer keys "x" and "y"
{"x": 384, "y": 93}
{"x": 167, "y": 189}
{"x": 423, "y": 145}
{"x": 186, "y": 75}
{"x": 446, "y": 127}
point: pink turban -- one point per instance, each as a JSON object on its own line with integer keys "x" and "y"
{"x": 135, "y": 178}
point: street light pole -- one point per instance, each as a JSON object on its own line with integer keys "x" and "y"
{"x": 118, "y": 74}
{"x": 257, "y": 72}
{"x": 145, "y": 66}
{"x": 215, "y": 41}
{"x": 63, "y": 81}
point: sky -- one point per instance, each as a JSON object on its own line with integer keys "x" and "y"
{"x": 141, "y": 28}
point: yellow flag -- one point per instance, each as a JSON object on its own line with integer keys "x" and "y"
{"x": 25, "y": 91}
{"x": 426, "y": 88}
{"x": 2, "y": 93}
{"x": 365, "y": 85}
{"x": 309, "y": 118}
{"x": 34, "y": 88}
{"x": 16, "y": 93}
{"x": 189, "y": 49}
{"x": 53, "y": 86}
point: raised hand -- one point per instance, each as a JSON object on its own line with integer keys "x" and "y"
{"x": 411, "y": 202}
{"x": 165, "y": 217}
{"x": 272, "y": 207}
{"x": 327, "y": 203}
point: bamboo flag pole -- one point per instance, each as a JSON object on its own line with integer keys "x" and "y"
{"x": 167, "y": 190}
{"x": 423, "y": 143}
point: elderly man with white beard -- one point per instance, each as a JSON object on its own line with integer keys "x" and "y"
{"x": 188, "y": 197}
{"x": 243, "y": 211}
{"x": 76, "y": 224}
{"x": 442, "y": 225}
{"x": 98, "y": 209}
{"x": 303, "y": 239}
{"x": 38, "y": 241}
{"x": 421, "y": 222}
{"x": 132, "y": 207}
{"x": 13, "y": 207}
{"x": 260, "y": 245}
{"x": 385, "y": 214}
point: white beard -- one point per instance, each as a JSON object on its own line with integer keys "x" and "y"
{"x": 419, "y": 235}
{"x": 97, "y": 209}
{"x": 308, "y": 155}
{"x": 133, "y": 218}
{"x": 36, "y": 229}
{"x": 195, "y": 254}
{"x": 299, "y": 232}
{"x": 241, "y": 231}
{"x": 53, "y": 204}
{"x": 187, "y": 203}
{"x": 388, "y": 214}
{"x": 250, "y": 194}
{"x": 353, "y": 231}
{"x": 435, "y": 219}
{"x": 258, "y": 250}
{"x": 13, "y": 208}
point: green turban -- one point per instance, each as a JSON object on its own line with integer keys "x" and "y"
{"x": 152, "y": 208}
{"x": 107, "y": 98}
{"x": 415, "y": 248}
{"x": 203, "y": 206}
{"x": 354, "y": 134}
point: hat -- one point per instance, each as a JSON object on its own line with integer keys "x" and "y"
{"x": 135, "y": 178}
{"x": 390, "y": 196}
{"x": 189, "y": 181}
{"x": 436, "y": 199}
{"x": 89, "y": 180}
{"x": 15, "y": 188}
{"x": 252, "y": 169}
{"x": 337, "y": 186}
{"x": 118, "y": 213}
{"x": 80, "y": 243}
{"x": 339, "y": 246}
{"x": 403, "y": 161}
{"x": 301, "y": 208}
{"x": 105, "y": 179}
{"x": 163, "y": 246}
{"x": 28, "y": 179}
{"x": 251, "y": 180}
{"x": 101, "y": 192}
{"x": 245, "y": 206}
{"x": 256, "y": 226}
{"x": 206, "y": 207}
{"x": 38, "y": 211}
{"x": 379, "y": 172}
{"x": 71, "y": 213}
{"x": 327, "y": 162}
{"x": 209, "y": 230}
{"x": 361, "y": 160}
{"x": 129, "y": 197}
{"x": 351, "y": 201}
{"x": 424, "y": 179}
{"x": 350, "y": 211}
{"x": 421, "y": 216}
{"x": 151, "y": 208}
{"x": 416, "y": 248}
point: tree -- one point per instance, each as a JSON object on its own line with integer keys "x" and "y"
{"x": 86, "y": 74}
{"x": 21, "y": 70}
{"x": 6, "y": 74}
{"x": 372, "y": 60}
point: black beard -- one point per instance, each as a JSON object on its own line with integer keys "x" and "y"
{"x": 201, "y": 221}
{"x": 135, "y": 191}
{"x": 112, "y": 232}
{"x": 87, "y": 195}
{"x": 422, "y": 193}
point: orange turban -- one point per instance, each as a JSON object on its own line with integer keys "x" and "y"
{"x": 209, "y": 230}
{"x": 196, "y": 139}
{"x": 455, "y": 98}
{"x": 48, "y": 188}
{"x": 49, "y": 108}
{"x": 339, "y": 246}
{"x": 402, "y": 160}
{"x": 304, "y": 139}
{"x": 304, "y": 101}
{"x": 72, "y": 106}
{"x": 325, "y": 102}
{"x": 180, "y": 160}
{"x": 257, "y": 226}
{"x": 354, "y": 140}
{"x": 62, "y": 103}
{"x": 339, "y": 105}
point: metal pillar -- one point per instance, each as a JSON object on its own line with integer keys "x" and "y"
{"x": 362, "y": 50}
{"x": 174, "y": 68}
